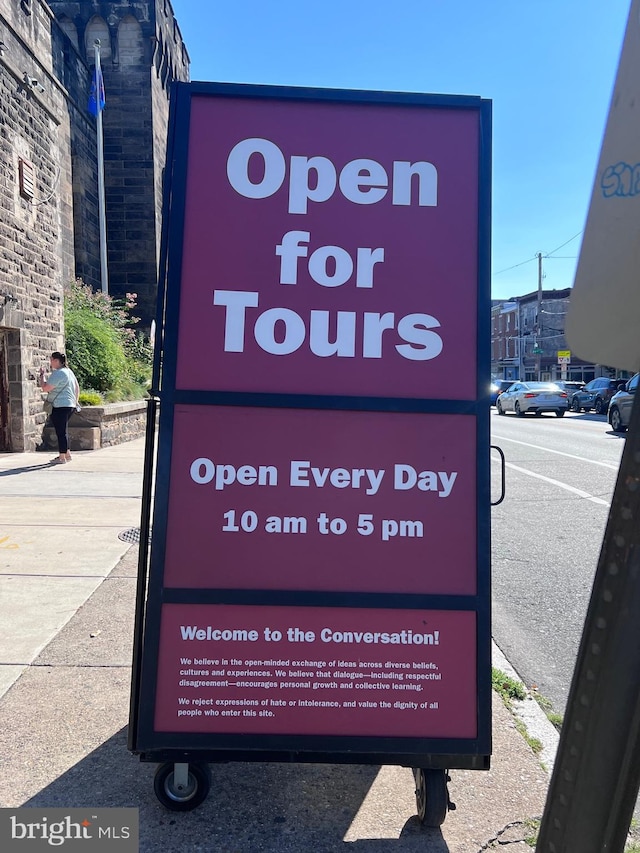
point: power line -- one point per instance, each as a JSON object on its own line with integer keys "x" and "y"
{"x": 563, "y": 244}
{"x": 528, "y": 261}
{"x": 548, "y": 255}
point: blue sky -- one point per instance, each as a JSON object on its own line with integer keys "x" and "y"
{"x": 547, "y": 65}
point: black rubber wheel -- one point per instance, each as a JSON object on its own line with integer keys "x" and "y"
{"x": 575, "y": 405}
{"x": 183, "y": 799}
{"x": 600, "y": 407}
{"x": 615, "y": 420}
{"x": 432, "y": 797}
{"x": 560, "y": 413}
{"x": 500, "y": 409}
{"x": 519, "y": 411}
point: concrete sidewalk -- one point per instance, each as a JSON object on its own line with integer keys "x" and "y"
{"x": 67, "y": 597}
{"x": 59, "y": 528}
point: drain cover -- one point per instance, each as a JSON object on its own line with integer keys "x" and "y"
{"x": 130, "y": 535}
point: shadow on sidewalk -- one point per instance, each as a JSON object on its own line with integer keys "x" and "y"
{"x": 266, "y": 807}
{"x": 26, "y": 469}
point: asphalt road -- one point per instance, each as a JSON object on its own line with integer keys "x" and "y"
{"x": 546, "y": 539}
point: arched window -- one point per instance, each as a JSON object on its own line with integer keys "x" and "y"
{"x": 97, "y": 29}
{"x": 130, "y": 43}
{"x": 69, "y": 29}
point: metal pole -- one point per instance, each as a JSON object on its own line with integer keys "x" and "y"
{"x": 539, "y": 316}
{"x": 596, "y": 775}
{"x": 104, "y": 274}
{"x": 520, "y": 342}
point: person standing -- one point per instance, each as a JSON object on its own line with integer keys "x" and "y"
{"x": 62, "y": 392}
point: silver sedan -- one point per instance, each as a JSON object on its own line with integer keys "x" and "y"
{"x": 536, "y": 397}
{"x": 621, "y": 404}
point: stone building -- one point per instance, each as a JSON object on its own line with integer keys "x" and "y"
{"x": 49, "y": 231}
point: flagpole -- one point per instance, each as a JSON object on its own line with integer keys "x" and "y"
{"x": 104, "y": 273}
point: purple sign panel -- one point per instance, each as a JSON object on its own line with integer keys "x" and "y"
{"x": 317, "y": 670}
{"x": 330, "y": 248}
{"x": 322, "y": 500}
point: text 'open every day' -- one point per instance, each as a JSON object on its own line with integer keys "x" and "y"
{"x": 303, "y": 474}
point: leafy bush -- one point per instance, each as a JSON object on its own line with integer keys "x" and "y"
{"x": 105, "y": 351}
{"x": 126, "y": 390}
{"x": 90, "y": 398}
{"x": 94, "y": 349}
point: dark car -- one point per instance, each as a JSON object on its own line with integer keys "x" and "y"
{"x": 595, "y": 395}
{"x": 571, "y": 386}
{"x": 498, "y": 387}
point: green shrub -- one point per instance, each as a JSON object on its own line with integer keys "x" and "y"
{"x": 105, "y": 351}
{"x": 94, "y": 350}
{"x": 127, "y": 390}
{"x": 90, "y": 398}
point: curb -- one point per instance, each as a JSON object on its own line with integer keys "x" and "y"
{"x": 531, "y": 714}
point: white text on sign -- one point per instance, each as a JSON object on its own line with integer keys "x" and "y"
{"x": 386, "y": 528}
{"x": 303, "y": 473}
{"x": 257, "y": 169}
{"x": 361, "y": 181}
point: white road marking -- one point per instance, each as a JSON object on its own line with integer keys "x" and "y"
{"x": 560, "y": 485}
{"x": 559, "y": 452}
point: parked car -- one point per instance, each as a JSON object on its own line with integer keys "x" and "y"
{"x": 621, "y": 405}
{"x": 536, "y": 397}
{"x": 571, "y": 386}
{"x": 595, "y": 395}
{"x": 498, "y": 387}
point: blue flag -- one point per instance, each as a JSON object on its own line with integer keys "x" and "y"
{"x": 96, "y": 96}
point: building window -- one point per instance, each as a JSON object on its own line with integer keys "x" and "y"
{"x": 97, "y": 29}
{"x": 26, "y": 178}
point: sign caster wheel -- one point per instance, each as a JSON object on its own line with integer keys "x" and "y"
{"x": 182, "y": 787}
{"x": 432, "y": 796}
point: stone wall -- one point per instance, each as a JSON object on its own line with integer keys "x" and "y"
{"x": 49, "y": 222}
{"x": 141, "y": 54}
{"x": 170, "y": 63}
{"x": 83, "y": 247}
{"x": 121, "y": 422}
{"x": 101, "y": 426}
{"x": 35, "y": 209}
{"x": 48, "y": 174}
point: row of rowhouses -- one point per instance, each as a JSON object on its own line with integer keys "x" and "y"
{"x": 528, "y": 340}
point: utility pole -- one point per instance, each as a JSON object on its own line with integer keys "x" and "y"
{"x": 539, "y": 318}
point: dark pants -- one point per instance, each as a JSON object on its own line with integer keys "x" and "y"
{"x": 60, "y": 418}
